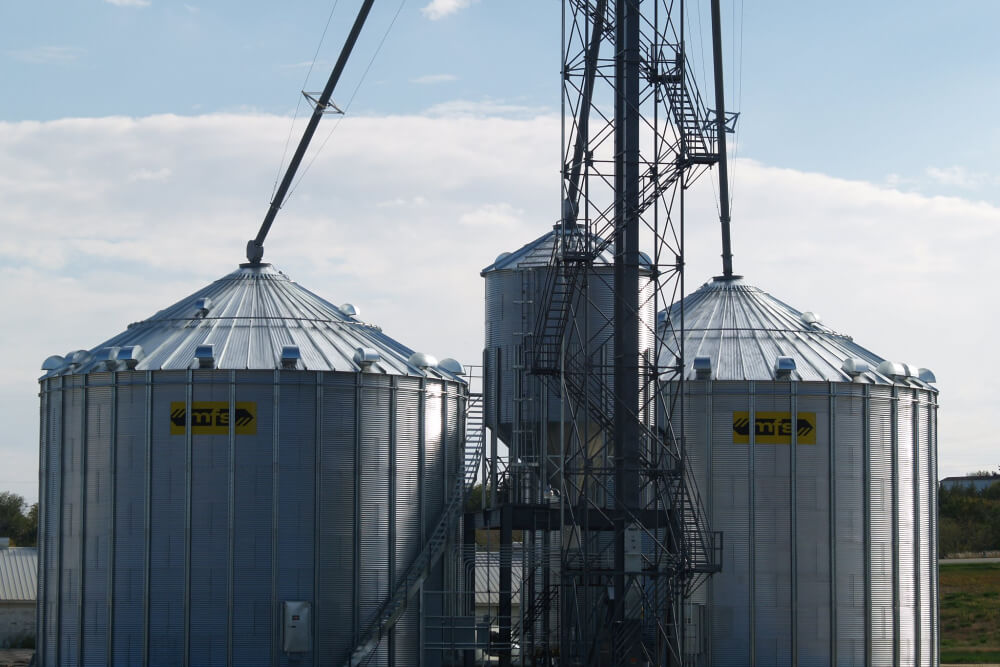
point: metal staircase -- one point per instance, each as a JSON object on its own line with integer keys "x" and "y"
{"x": 541, "y": 604}
{"x": 392, "y": 609}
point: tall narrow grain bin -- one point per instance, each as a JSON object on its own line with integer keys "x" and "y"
{"x": 817, "y": 459}
{"x": 521, "y": 408}
{"x": 239, "y": 479}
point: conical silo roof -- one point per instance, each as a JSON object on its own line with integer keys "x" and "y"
{"x": 249, "y": 317}
{"x": 742, "y": 331}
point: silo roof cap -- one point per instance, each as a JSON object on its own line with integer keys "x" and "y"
{"x": 252, "y": 318}
{"x": 539, "y": 252}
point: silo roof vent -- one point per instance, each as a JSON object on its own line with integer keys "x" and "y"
{"x": 364, "y": 357}
{"x": 107, "y": 357}
{"x": 783, "y": 367}
{"x": 703, "y": 368}
{"x": 926, "y": 375}
{"x": 855, "y": 366}
{"x": 53, "y": 363}
{"x": 810, "y": 318}
{"x": 422, "y": 360}
{"x": 349, "y": 309}
{"x": 290, "y": 356}
{"x": 78, "y": 358}
{"x": 895, "y": 370}
{"x": 131, "y": 355}
{"x": 202, "y": 306}
{"x": 452, "y": 366}
{"x": 205, "y": 355}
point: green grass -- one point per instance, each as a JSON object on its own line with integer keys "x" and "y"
{"x": 970, "y": 612}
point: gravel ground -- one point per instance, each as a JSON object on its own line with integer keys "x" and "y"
{"x": 15, "y": 657}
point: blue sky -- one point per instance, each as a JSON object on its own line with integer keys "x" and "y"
{"x": 882, "y": 90}
{"x": 139, "y": 141}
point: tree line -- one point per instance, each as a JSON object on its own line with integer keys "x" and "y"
{"x": 968, "y": 520}
{"x": 18, "y": 520}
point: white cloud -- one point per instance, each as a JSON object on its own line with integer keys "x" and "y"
{"x": 434, "y": 78}
{"x": 438, "y": 9}
{"x": 48, "y": 55}
{"x": 130, "y": 3}
{"x": 492, "y": 215}
{"x": 484, "y": 108}
{"x": 107, "y": 220}
{"x": 144, "y": 174}
{"x": 959, "y": 177}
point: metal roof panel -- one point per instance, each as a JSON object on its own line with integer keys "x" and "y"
{"x": 248, "y": 316}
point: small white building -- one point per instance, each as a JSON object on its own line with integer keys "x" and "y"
{"x": 18, "y": 583}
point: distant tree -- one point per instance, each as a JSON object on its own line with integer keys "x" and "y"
{"x": 18, "y": 521}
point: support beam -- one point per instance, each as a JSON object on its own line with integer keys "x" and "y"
{"x": 720, "y": 130}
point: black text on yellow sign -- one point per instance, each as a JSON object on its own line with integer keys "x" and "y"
{"x": 774, "y": 428}
{"x": 212, "y": 418}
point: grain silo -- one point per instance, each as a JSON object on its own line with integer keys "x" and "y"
{"x": 524, "y": 410}
{"x": 240, "y": 479}
{"x": 817, "y": 459}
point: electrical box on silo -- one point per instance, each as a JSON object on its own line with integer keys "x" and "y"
{"x": 297, "y": 626}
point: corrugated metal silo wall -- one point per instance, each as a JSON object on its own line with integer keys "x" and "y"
{"x": 835, "y": 564}
{"x": 169, "y": 549}
{"x": 510, "y": 297}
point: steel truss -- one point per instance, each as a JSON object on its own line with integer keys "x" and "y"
{"x": 615, "y": 535}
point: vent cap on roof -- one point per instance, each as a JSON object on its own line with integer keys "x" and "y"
{"x": 926, "y": 375}
{"x": 349, "y": 309}
{"x": 53, "y": 363}
{"x": 290, "y": 356}
{"x": 783, "y": 367}
{"x": 205, "y": 356}
{"x": 108, "y": 358}
{"x": 703, "y": 368}
{"x": 364, "y": 357}
{"x": 131, "y": 355}
{"x": 202, "y": 306}
{"x": 452, "y": 366}
{"x": 422, "y": 360}
{"x": 810, "y": 318}
{"x": 854, "y": 366}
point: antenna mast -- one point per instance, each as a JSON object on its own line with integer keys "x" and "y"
{"x": 255, "y": 246}
{"x": 720, "y": 129}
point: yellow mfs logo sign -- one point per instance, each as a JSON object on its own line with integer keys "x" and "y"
{"x": 774, "y": 428}
{"x": 212, "y": 418}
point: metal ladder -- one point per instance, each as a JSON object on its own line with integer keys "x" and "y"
{"x": 392, "y": 609}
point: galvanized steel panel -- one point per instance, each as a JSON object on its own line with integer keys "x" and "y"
{"x": 905, "y": 525}
{"x": 254, "y": 610}
{"x": 168, "y": 514}
{"x": 833, "y": 578}
{"x": 849, "y": 525}
{"x": 130, "y": 472}
{"x": 296, "y": 493}
{"x": 881, "y": 519}
{"x": 97, "y": 521}
{"x": 275, "y": 549}
{"x": 337, "y": 504}
{"x": 375, "y": 480}
{"x": 209, "y": 548}
{"x": 71, "y": 577}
